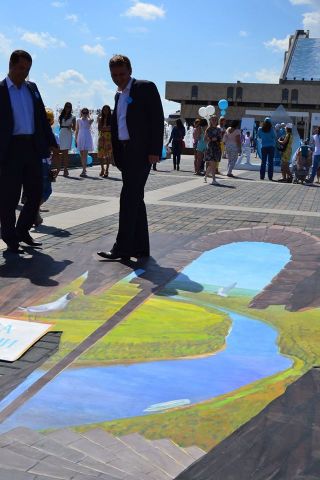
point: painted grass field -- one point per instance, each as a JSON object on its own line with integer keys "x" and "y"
{"x": 164, "y": 328}
{"x": 208, "y": 423}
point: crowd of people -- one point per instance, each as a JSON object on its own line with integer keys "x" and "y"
{"x": 80, "y": 128}
{"x": 214, "y": 141}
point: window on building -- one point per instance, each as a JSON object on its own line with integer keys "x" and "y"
{"x": 239, "y": 91}
{"x": 294, "y": 95}
{"x": 230, "y": 93}
{"x": 285, "y": 95}
{"x": 194, "y": 92}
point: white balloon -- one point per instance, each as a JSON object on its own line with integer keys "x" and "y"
{"x": 210, "y": 110}
{"x": 202, "y": 112}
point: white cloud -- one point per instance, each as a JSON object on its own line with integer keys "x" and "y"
{"x": 42, "y": 40}
{"x": 146, "y": 11}
{"x": 278, "y": 44}
{"x": 169, "y": 107}
{"x": 243, "y": 33}
{"x": 72, "y": 17}
{"x": 94, "y": 50}
{"x": 93, "y": 94}
{"x": 301, "y": 2}
{"x": 5, "y": 45}
{"x": 68, "y": 77}
{"x": 243, "y": 76}
{"x": 111, "y": 38}
{"x": 267, "y": 76}
{"x": 57, "y": 4}
{"x": 311, "y": 21}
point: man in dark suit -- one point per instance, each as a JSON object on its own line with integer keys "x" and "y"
{"x": 25, "y": 138}
{"x": 137, "y": 138}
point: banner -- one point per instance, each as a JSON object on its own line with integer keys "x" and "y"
{"x": 17, "y": 336}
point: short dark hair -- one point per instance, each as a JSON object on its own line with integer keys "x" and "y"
{"x": 118, "y": 60}
{"x": 17, "y": 54}
{"x": 234, "y": 123}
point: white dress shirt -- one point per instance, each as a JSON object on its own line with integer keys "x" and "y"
{"x": 122, "y": 106}
{"x": 22, "y": 108}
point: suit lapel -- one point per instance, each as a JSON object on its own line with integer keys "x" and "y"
{"x": 5, "y": 98}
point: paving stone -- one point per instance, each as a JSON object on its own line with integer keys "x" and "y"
{"x": 41, "y": 442}
{"x": 124, "y": 461}
{"x": 125, "y": 458}
{"x": 103, "y": 468}
{"x": 63, "y": 436}
{"x": 156, "y": 456}
{"x": 172, "y": 449}
{"x": 93, "y": 450}
{"x": 10, "y": 459}
{"x": 43, "y": 468}
{"x": 16, "y": 475}
{"x": 195, "y": 452}
{"x": 27, "y": 451}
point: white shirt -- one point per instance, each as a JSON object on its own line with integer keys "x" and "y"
{"x": 316, "y": 139}
{"x": 247, "y": 141}
{"x": 22, "y": 108}
{"x": 122, "y": 106}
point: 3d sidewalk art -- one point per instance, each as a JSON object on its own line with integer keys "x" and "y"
{"x": 191, "y": 362}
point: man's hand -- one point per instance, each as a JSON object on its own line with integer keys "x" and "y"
{"x": 153, "y": 159}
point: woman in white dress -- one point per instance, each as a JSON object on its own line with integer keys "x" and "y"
{"x": 84, "y": 138}
{"x": 67, "y": 125}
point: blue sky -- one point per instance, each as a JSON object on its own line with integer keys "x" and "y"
{"x": 181, "y": 40}
{"x": 252, "y": 265}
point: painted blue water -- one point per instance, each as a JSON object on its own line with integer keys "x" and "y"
{"x": 96, "y": 394}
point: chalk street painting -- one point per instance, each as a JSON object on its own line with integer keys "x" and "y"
{"x": 192, "y": 362}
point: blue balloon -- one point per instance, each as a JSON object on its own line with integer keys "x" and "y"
{"x": 223, "y": 112}
{"x": 89, "y": 160}
{"x": 223, "y": 104}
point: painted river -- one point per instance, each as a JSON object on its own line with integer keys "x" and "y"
{"x": 95, "y": 394}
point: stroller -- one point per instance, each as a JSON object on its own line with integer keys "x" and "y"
{"x": 301, "y": 163}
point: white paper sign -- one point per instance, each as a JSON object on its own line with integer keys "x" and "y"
{"x": 247, "y": 124}
{"x": 17, "y": 336}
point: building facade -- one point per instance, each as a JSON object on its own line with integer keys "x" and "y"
{"x": 299, "y": 95}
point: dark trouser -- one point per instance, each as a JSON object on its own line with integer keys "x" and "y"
{"x": 267, "y": 155}
{"x": 176, "y": 153}
{"x": 22, "y": 168}
{"x": 133, "y": 234}
{"x": 315, "y": 166}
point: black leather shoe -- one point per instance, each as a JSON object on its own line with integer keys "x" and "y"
{"x": 112, "y": 255}
{"x": 14, "y": 248}
{"x": 26, "y": 238}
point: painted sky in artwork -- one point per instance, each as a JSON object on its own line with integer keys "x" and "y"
{"x": 251, "y": 265}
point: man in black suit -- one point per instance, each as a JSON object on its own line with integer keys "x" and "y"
{"x": 25, "y": 138}
{"x": 137, "y": 138}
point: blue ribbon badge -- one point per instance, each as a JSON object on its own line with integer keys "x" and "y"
{"x": 129, "y": 100}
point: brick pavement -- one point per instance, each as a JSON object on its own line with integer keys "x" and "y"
{"x": 199, "y": 209}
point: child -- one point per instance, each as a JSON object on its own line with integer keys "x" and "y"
{"x": 246, "y": 147}
{"x": 48, "y": 174}
{"x": 304, "y": 156}
{"x": 84, "y": 138}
